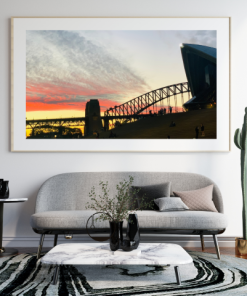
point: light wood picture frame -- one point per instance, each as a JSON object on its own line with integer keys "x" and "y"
{"x": 64, "y": 69}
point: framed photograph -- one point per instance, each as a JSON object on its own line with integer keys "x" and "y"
{"x": 120, "y": 84}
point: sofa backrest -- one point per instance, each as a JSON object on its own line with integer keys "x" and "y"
{"x": 70, "y": 191}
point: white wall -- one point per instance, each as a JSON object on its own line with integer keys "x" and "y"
{"x": 27, "y": 171}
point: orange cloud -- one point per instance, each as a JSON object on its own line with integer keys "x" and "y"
{"x": 62, "y": 103}
{"x": 46, "y": 96}
{"x": 84, "y": 88}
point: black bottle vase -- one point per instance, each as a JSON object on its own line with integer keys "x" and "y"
{"x": 132, "y": 240}
{"x": 116, "y": 235}
{"x": 4, "y": 189}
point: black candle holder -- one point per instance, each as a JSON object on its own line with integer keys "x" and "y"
{"x": 4, "y": 189}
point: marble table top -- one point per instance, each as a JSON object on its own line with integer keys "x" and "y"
{"x": 100, "y": 254}
{"x": 13, "y": 199}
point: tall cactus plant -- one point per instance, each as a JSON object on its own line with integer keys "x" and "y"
{"x": 240, "y": 140}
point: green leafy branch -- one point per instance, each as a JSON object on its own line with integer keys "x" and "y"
{"x": 119, "y": 206}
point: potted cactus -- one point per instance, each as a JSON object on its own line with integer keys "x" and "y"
{"x": 240, "y": 140}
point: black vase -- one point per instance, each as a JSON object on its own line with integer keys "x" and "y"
{"x": 116, "y": 235}
{"x": 132, "y": 240}
{"x": 4, "y": 189}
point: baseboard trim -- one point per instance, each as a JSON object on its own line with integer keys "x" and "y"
{"x": 183, "y": 240}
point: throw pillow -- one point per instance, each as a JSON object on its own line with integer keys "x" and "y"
{"x": 152, "y": 192}
{"x": 198, "y": 200}
{"x": 168, "y": 204}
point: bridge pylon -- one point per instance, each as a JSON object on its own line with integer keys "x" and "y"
{"x": 93, "y": 117}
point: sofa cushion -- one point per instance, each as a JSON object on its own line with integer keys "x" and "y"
{"x": 65, "y": 220}
{"x": 168, "y": 204}
{"x": 147, "y": 219}
{"x": 182, "y": 220}
{"x": 152, "y": 192}
{"x": 198, "y": 200}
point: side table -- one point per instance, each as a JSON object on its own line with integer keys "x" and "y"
{"x": 7, "y": 251}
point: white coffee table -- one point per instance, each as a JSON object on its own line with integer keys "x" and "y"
{"x": 100, "y": 254}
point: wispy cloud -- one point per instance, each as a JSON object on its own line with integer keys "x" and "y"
{"x": 202, "y": 37}
{"x": 63, "y": 66}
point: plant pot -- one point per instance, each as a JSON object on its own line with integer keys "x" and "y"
{"x": 240, "y": 246}
{"x": 116, "y": 235}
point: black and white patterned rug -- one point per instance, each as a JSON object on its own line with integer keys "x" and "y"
{"x": 21, "y": 275}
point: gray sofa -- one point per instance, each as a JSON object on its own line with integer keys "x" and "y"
{"x": 61, "y": 200}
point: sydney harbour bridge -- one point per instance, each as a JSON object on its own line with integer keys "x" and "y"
{"x": 130, "y": 110}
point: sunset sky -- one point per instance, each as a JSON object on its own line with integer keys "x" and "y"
{"x": 65, "y": 69}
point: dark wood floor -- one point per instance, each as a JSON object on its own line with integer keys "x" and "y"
{"x": 223, "y": 251}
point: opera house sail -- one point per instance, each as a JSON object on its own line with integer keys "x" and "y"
{"x": 200, "y": 68}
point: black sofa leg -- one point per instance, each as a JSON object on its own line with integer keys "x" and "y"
{"x": 216, "y": 246}
{"x": 202, "y": 242}
{"x": 55, "y": 240}
{"x": 40, "y": 245}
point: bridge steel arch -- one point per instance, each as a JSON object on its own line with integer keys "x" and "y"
{"x": 141, "y": 103}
